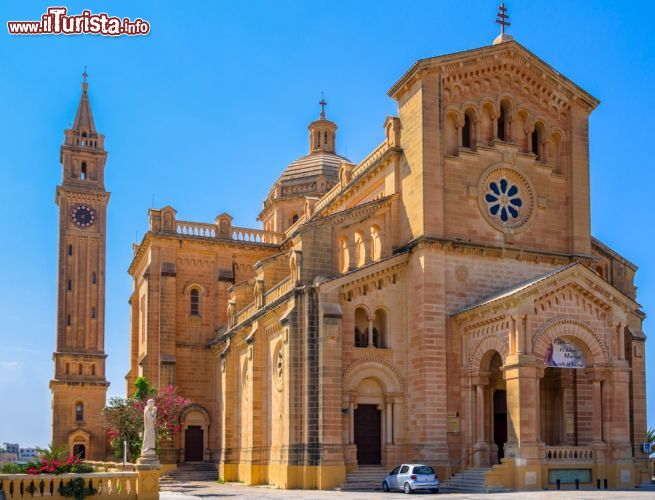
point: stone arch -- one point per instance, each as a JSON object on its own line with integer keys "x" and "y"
{"x": 380, "y": 371}
{"x": 493, "y": 343}
{"x": 79, "y": 437}
{"x": 195, "y": 284}
{"x": 195, "y": 416}
{"x": 578, "y": 332}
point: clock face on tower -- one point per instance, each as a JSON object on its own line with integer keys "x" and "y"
{"x": 83, "y": 216}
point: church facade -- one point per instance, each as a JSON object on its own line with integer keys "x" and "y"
{"x": 441, "y": 301}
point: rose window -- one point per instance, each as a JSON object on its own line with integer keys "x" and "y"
{"x": 504, "y": 200}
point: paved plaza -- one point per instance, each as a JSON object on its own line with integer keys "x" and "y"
{"x": 232, "y": 490}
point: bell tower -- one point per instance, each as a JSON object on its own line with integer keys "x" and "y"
{"x": 79, "y": 386}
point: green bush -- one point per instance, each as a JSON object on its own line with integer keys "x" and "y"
{"x": 12, "y": 468}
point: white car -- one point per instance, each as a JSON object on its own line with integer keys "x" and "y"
{"x": 410, "y": 478}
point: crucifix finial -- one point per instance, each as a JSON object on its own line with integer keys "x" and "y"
{"x": 323, "y": 104}
{"x": 502, "y": 17}
{"x": 84, "y": 76}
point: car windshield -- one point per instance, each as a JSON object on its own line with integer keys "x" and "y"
{"x": 423, "y": 469}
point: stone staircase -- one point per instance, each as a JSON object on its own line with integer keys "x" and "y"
{"x": 366, "y": 478}
{"x": 190, "y": 472}
{"x": 469, "y": 481}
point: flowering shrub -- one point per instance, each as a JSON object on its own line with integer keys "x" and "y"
{"x": 124, "y": 417}
{"x": 54, "y": 466}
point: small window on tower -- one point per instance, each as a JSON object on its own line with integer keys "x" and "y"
{"x": 294, "y": 219}
{"x": 68, "y": 368}
{"x": 79, "y": 412}
{"x": 69, "y": 285}
{"x": 70, "y": 249}
{"x": 94, "y": 278}
{"x": 195, "y": 303}
{"x": 68, "y": 320}
{"x": 83, "y": 174}
{"x": 93, "y": 313}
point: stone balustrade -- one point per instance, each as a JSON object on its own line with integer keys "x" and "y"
{"x": 203, "y": 230}
{"x": 120, "y": 485}
{"x": 256, "y": 235}
{"x": 568, "y": 453}
{"x": 196, "y": 229}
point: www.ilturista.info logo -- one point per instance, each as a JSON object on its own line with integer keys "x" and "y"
{"x": 56, "y": 21}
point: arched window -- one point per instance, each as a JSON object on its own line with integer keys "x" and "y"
{"x": 194, "y": 302}
{"x": 361, "y": 327}
{"x": 79, "y": 368}
{"x": 93, "y": 370}
{"x": 537, "y": 141}
{"x": 94, "y": 278}
{"x": 83, "y": 172}
{"x": 376, "y": 243}
{"x": 294, "y": 219}
{"x": 360, "y": 252}
{"x": 344, "y": 255}
{"x": 452, "y": 141}
{"x": 93, "y": 313}
{"x": 504, "y": 120}
{"x": 486, "y": 123}
{"x": 68, "y": 368}
{"x": 380, "y": 328}
{"x": 79, "y": 411}
{"x": 70, "y": 249}
{"x": 555, "y": 156}
{"x": 468, "y": 139}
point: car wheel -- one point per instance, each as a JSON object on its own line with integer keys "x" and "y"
{"x": 407, "y": 489}
{"x": 435, "y": 490}
{"x": 385, "y": 487}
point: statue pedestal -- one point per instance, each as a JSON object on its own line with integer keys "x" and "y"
{"x": 148, "y": 468}
{"x": 148, "y": 458}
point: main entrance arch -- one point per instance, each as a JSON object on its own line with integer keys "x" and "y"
{"x": 195, "y": 434}
{"x": 373, "y": 396}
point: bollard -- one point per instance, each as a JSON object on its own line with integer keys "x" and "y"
{"x": 577, "y": 484}
{"x": 558, "y": 484}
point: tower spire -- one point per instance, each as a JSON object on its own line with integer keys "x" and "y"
{"x": 84, "y": 116}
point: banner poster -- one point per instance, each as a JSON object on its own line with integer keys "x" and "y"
{"x": 562, "y": 354}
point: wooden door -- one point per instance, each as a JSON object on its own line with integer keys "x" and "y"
{"x": 193, "y": 444}
{"x": 368, "y": 434}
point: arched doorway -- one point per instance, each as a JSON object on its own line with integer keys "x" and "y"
{"x": 195, "y": 434}
{"x": 566, "y": 395}
{"x": 373, "y": 413}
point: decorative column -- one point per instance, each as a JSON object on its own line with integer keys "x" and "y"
{"x": 370, "y": 331}
{"x": 351, "y": 420}
{"x": 481, "y": 446}
{"x": 598, "y": 410}
{"x": 479, "y": 405}
{"x": 389, "y": 422}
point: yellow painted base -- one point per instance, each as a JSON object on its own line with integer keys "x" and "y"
{"x": 166, "y": 468}
{"x": 320, "y": 477}
{"x": 517, "y": 474}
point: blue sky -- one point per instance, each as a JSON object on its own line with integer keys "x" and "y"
{"x": 205, "y": 112}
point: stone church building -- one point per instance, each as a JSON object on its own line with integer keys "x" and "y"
{"x": 441, "y": 301}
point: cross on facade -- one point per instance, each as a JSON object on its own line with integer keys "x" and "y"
{"x": 323, "y": 104}
{"x": 502, "y": 17}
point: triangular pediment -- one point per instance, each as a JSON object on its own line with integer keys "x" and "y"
{"x": 508, "y": 56}
{"x": 574, "y": 282}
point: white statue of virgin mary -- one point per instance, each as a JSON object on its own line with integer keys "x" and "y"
{"x": 149, "y": 417}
